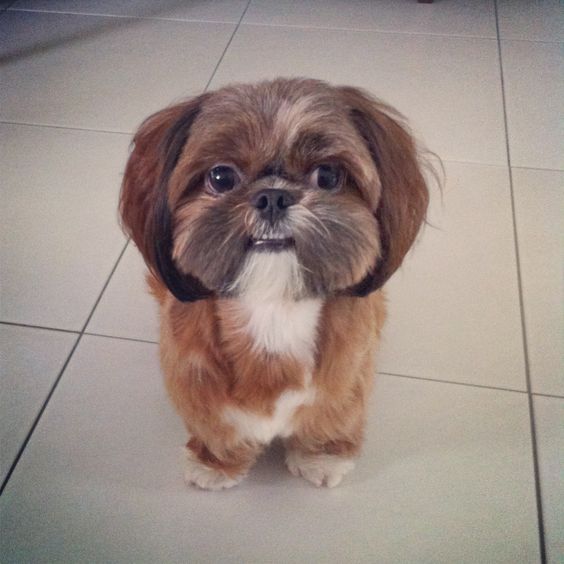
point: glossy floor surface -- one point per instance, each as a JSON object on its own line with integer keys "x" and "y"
{"x": 463, "y": 459}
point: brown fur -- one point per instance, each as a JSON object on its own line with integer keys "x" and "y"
{"x": 195, "y": 243}
{"x": 229, "y": 374}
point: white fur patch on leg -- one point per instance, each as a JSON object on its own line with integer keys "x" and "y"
{"x": 205, "y": 477}
{"x": 319, "y": 469}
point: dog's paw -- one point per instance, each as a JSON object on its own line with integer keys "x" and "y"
{"x": 206, "y": 477}
{"x": 319, "y": 469}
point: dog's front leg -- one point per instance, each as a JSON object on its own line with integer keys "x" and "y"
{"x": 325, "y": 465}
{"x": 217, "y": 457}
{"x": 216, "y": 472}
{"x": 324, "y": 447}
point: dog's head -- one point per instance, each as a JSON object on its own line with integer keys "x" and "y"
{"x": 291, "y": 186}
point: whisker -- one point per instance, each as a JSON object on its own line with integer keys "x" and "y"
{"x": 305, "y": 216}
{"x": 233, "y": 234}
{"x": 337, "y": 222}
{"x": 247, "y": 220}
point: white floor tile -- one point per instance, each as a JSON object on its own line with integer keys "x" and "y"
{"x": 539, "y": 208}
{"x": 440, "y": 461}
{"x": 58, "y": 215}
{"x": 534, "y": 90}
{"x": 454, "y": 305}
{"x": 452, "y": 18}
{"x": 126, "y": 308}
{"x": 549, "y": 417}
{"x": 542, "y": 20}
{"x": 30, "y": 361}
{"x": 99, "y": 72}
{"x": 216, "y": 10}
{"x": 447, "y": 87}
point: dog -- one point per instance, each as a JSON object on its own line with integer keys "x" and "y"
{"x": 270, "y": 216}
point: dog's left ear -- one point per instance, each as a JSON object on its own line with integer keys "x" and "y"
{"x": 144, "y": 200}
{"x": 404, "y": 195}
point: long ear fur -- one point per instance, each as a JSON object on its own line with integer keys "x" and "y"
{"x": 404, "y": 197}
{"x": 144, "y": 206}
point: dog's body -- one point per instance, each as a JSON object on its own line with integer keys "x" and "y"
{"x": 270, "y": 216}
{"x": 301, "y": 372}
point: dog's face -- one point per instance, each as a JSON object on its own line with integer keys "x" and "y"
{"x": 292, "y": 181}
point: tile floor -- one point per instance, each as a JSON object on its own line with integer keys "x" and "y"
{"x": 464, "y": 459}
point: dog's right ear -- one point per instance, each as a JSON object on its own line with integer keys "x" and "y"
{"x": 144, "y": 204}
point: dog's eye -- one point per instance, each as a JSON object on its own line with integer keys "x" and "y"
{"x": 223, "y": 178}
{"x": 327, "y": 176}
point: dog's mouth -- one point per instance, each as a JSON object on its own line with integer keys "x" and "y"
{"x": 271, "y": 244}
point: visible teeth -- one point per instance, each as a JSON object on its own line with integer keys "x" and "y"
{"x": 260, "y": 241}
{"x": 278, "y": 243}
{"x": 271, "y": 237}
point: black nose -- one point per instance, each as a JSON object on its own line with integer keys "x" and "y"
{"x": 272, "y": 203}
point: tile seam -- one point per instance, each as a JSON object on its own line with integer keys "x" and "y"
{"x": 532, "y": 422}
{"x": 452, "y": 382}
{"x": 227, "y": 47}
{"x": 59, "y": 377}
{"x": 39, "y": 327}
{"x": 67, "y": 127}
{"x": 258, "y": 24}
{"x": 119, "y": 16}
{"x": 38, "y": 417}
{"x": 131, "y": 133}
{"x": 491, "y": 38}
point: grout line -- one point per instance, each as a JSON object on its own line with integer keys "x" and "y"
{"x": 30, "y": 326}
{"x": 554, "y": 396}
{"x": 70, "y": 127}
{"x": 465, "y": 384}
{"x": 38, "y": 418}
{"x": 370, "y": 30}
{"x": 115, "y": 337}
{"x": 59, "y": 377}
{"x": 328, "y": 27}
{"x": 104, "y": 287}
{"x": 227, "y": 46}
{"x": 534, "y": 446}
{"x": 264, "y": 24}
{"x": 517, "y": 167}
{"x": 543, "y": 41}
{"x": 122, "y": 16}
{"x": 131, "y": 133}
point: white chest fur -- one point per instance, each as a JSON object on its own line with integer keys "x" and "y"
{"x": 269, "y": 309}
{"x": 285, "y": 328}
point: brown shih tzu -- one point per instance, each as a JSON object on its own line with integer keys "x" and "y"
{"x": 270, "y": 215}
